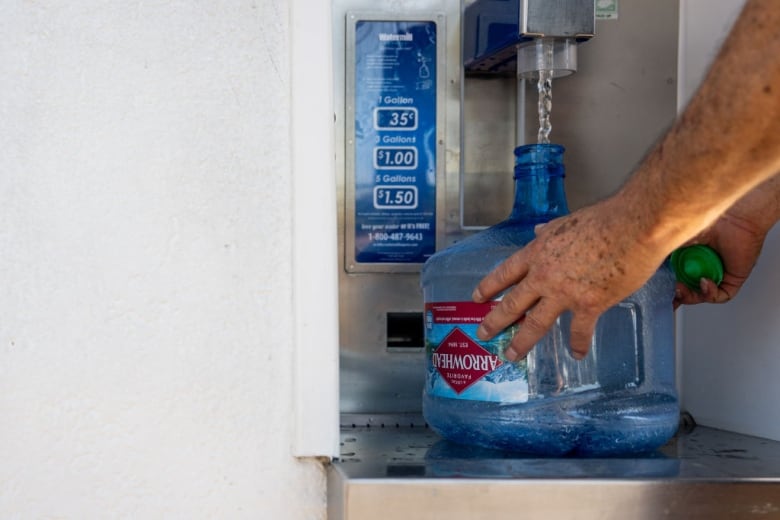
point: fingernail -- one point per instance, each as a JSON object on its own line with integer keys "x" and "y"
{"x": 511, "y": 355}
{"x": 476, "y": 295}
{"x": 703, "y": 286}
{"x": 577, "y": 355}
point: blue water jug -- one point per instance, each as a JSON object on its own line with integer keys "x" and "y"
{"x": 620, "y": 399}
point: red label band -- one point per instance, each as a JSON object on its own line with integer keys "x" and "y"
{"x": 463, "y": 313}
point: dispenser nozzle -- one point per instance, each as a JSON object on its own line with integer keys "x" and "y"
{"x": 556, "y": 54}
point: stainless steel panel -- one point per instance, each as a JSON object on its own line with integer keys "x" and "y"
{"x": 557, "y": 18}
{"x": 395, "y": 468}
{"x": 620, "y": 101}
{"x": 374, "y": 378}
{"x": 489, "y": 137}
{"x": 607, "y": 115}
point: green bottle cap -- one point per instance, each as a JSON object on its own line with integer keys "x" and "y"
{"x": 692, "y": 263}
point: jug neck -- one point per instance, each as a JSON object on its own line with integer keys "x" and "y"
{"x": 539, "y": 191}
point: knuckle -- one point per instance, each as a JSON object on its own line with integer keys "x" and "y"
{"x": 591, "y": 300}
{"x": 512, "y": 303}
{"x": 505, "y": 272}
{"x": 535, "y": 323}
{"x": 523, "y": 342}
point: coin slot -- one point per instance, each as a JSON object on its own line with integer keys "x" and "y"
{"x": 405, "y": 330}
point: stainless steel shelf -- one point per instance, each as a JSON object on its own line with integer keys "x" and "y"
{"x": 395, "y": 467}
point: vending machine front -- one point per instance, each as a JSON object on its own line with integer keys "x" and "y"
{"x": 432, "y": 97}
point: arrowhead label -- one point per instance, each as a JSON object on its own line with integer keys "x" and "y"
{"x": 461, "y": 361}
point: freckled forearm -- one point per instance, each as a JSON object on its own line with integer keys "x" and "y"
{"x": 760, "y": 207}
{"x": 726, "y": 142}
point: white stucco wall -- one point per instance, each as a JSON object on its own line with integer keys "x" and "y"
{"x": 145, "y": 262}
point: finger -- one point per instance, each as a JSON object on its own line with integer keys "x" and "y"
{"x": 511, "y": 308}
{"x": 683, "y": 295}
{"x": 678, "y": 297}
{"x": 722, "y": 293}
{"x": 509, "y": 272}
{"x": 708, "y": 290}
{"x": 535, "y": 325}
{"x": 581, "y": 336}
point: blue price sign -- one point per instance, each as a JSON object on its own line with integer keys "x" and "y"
{"x": 395, "y": 140}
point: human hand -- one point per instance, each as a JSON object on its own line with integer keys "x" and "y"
{"x": 738, "y": 238}
{"x": 585, "y": 262}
